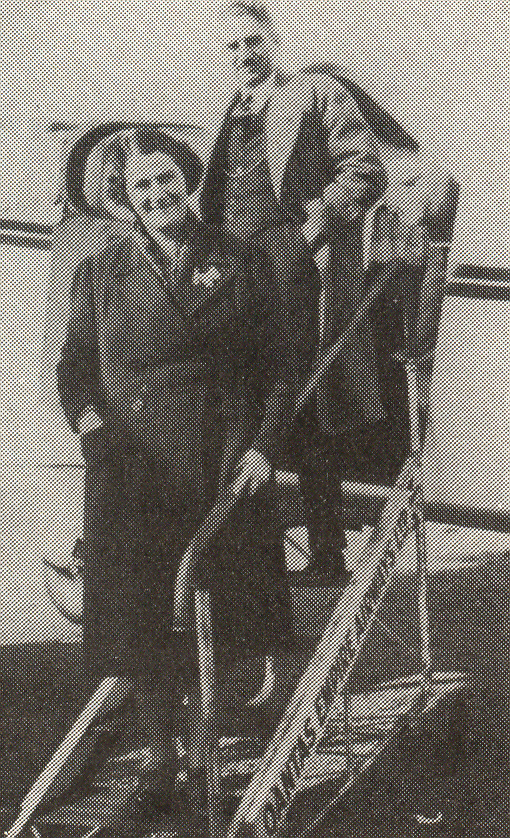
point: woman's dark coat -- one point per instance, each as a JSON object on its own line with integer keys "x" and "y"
{"x": 186, "y": 376}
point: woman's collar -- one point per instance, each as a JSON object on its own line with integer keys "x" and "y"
{"x": 190, "y": 227}
{"x": 156, "y": 252}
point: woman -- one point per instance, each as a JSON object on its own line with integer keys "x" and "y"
{"x": 179, "y": 371}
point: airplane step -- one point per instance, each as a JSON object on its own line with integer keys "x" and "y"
{"x": 375, "y": 718}
{"x": 107, "y": 808}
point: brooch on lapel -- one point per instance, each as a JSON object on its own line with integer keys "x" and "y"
{"x": 209, "y": 277}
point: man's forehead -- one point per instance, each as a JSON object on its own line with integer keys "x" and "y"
{"x": 143, "y": 165}
{"x": 238, "y": 27}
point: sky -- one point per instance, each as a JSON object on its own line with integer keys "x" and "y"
{"x": 60, "y": 59}
{"x": 441, "y": 69}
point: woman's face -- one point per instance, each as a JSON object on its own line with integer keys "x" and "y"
{"x": 156, "y": 190}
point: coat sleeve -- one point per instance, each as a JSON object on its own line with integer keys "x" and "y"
{"x": 359, "y": 175}
{"x": 283, "y": 319}
{"x": 78, "y": 369}
{"x": 413, "y": 226}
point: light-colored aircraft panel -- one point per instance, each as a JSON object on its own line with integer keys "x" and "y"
{"x": 467, "y": 457}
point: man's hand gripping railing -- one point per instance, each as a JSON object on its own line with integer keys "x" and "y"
{"x": 228, "y": 498}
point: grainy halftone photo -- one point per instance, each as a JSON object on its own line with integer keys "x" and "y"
{"x": 254, "y": 419}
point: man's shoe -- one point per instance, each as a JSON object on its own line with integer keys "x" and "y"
{"x": 158, "y": 788}
{"x": 318, "y": 576}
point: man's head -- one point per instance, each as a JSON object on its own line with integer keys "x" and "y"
{"x": 153, "y": 175}
{"x": 251, "y": 42}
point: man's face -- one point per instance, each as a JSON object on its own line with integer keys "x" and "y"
{"x": 252, "y": 49}
{"x": 156, "y": 189}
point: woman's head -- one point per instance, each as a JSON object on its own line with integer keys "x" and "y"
{"x": 152, "y": 174}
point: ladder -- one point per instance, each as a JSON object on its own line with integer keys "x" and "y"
{"x": 328, "y": 735}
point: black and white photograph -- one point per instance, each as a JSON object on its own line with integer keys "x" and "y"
{"x": 254, "y": 419}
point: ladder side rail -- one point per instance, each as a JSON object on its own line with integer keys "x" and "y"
{"x": 334, "y": 658}
{"x": 204, "y": 741}
{"x": 110, "y": 693}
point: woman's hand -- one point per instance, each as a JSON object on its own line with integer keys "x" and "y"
{"x": 253, "y": 471}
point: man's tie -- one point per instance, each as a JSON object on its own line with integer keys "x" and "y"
{"x": 246, "y": 103}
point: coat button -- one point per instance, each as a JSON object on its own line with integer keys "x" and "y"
{"x": 137, "y": 405}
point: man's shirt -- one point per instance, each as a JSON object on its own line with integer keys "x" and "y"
{"x": 250, "y": 201}
{"x": 254, "y": 99}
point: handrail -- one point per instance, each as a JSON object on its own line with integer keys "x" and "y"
{"x": 229, "y": 497}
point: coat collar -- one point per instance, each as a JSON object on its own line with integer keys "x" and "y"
{"x": 138, "y": 248}
{"x": 202, "y": 273}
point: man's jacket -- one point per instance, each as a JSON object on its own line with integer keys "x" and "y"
{"x": 316, "y": 136}
{"x": 318, "y": 140}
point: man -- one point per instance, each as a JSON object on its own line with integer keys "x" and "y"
{"x": 297, "y": 151}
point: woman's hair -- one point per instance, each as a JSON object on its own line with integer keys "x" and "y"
{"x": 144, "y": 141}
{"x": 255, "y": 10}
